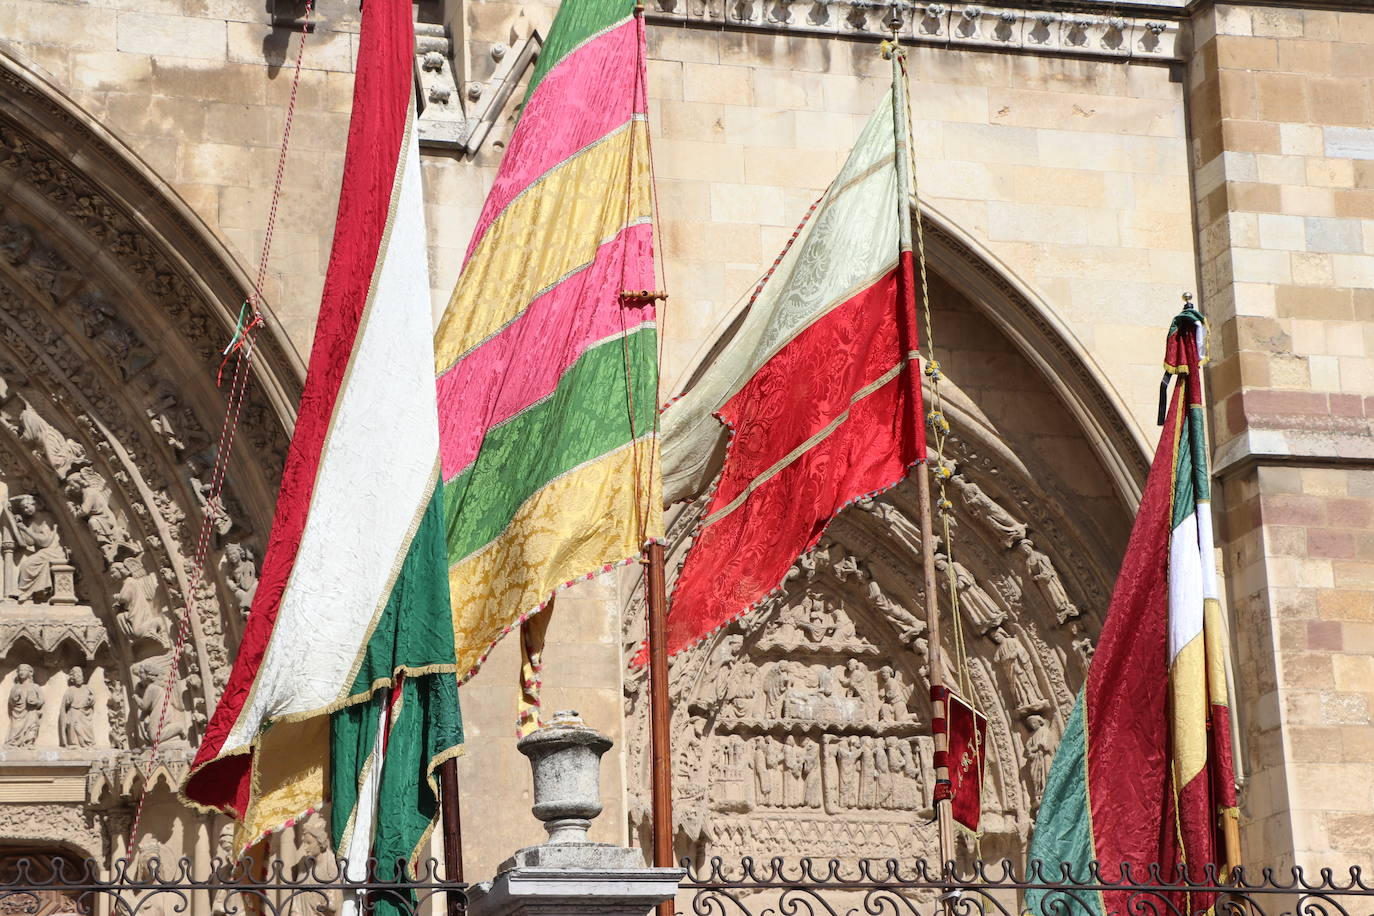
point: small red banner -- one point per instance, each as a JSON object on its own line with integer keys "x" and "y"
{"x": 967, "y": 731}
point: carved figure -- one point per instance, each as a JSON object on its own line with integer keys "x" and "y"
{"x": 76, "y": 722}
{"x": 776, "y": 683}
{"x": 794, "y": 782}
{"x": 742, "y": 690}
{"x": 776, "y": 759}
{"x": 25, "y": 706}
{"x": 863, "y": 685}
{"x": 223, "y": 900}
{"x": 763, "y": 784}
{"x": 209, "y": 504}
{"x": 35, "y": 530}
{"x": 980, "y": 609}
{"x": 141, "y": 617}
{"x": 1015, "y": 661}
{"x": 868, "y": 773}
{"x": 1039, "y": 756}
{"x": 16, "y": 241}
{"x": 316, "y": 863}
{"x": 59, "y": 451}
{"x": 1085, "y": 649}
{"x": 987, "y": 511}
{"x": 892, "y": 696}
{"x": 909, "y": 627}
{"x": 242, "y": 574}
{"x": 150, "y": 675}
{"x": 847, "y": 754}
{"x": 110, "y": 530}
{"x": 1039, "y": 568}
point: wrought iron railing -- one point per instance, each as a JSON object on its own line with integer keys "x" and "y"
{"x": 51, "y": 886}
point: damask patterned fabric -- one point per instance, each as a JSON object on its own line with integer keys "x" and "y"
{"x": 349, "y": 644}
{"x": 547, "y": 377}
{"x": 818, "y": 390}
{"x": 1144, "y": 773}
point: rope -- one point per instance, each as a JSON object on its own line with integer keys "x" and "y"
{"x": 240, "y": 350}
{"x": 939, "y": 428}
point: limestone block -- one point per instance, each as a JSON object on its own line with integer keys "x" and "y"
{"x": 1282, "y": 232}
{"x": 733, "y": 203}
{"x": 260, "y": 43}
{"x": 179, "y": 36}
{"x": 76, "y": 28}
{"x": 717, "y": 83}
{"x": 1348, "y": 142}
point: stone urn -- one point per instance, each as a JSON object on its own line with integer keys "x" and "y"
{"x": 565, "y": 756}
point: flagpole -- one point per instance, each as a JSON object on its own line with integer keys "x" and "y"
{"x": 453, "y": 831}
{"x": 661, "y": 755}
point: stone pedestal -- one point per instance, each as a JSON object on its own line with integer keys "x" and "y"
{"x": 568, "y": 875}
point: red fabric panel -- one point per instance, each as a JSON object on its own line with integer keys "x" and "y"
{"x": 381, "y": 105}
{"x": 1127, "y": 715}
{"x": 740, "y": 558}
{"x": 968, "y": 730}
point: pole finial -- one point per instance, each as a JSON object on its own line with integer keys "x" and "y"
{"x": 1187, "y": 299}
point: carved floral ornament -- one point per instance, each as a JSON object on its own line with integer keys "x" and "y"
{"x": 111, "y": 320}
{"x": 803, "y": 728}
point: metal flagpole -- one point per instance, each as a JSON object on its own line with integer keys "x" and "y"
{"x": 661, "y": 755}
{"x": 943, "y": 813}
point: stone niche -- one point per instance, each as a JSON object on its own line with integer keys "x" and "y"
{"x": 803, "y": 728}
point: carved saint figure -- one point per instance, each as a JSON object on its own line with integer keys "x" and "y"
{"x": 776, "y": 683}
{"x": 150, "y": 675}
{"x": 62, "y": 453}
{"x": 892, "y": 694}
{"x": 25, "y": 706}
{"x": 741, "y": 690}
{"x": 141, "y": 617}
{"x": 76, "y": 722}
{"x": 794, "y": 782}
{"x": 868, "y": 776}
{"x": 863, "y": 685}
{"x": 882, "y": 775}
{"x": 316, "y": 863}
{"x": 1039, "y": 755}
{"x": 811, "y": 772}
{"x": 222, "y": 900}
{"x": 1039, "y": 568}
{"x": 763, "y": 783}
{"x": 847, "y": 753}
{"x": 110, "y": 531}
{"x": 242, "y": 575}
{"x": 1015, "y": 661}
{"x": 36, "y": 531}
{"x": 777, "y": 757}
{"x": 981, "y": 609}
{"x": 987, "y": 511}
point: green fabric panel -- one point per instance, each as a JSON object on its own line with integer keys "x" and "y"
{"x": 1063, "y": 826}
{"x": 416, "y": 626}
{"x": 1196, "y": 432}
{"x": 577, "y": 20}
{"x": 1185, "y": 483}
{"x": 427, "y": 724}
{"x": 586, "y": 416}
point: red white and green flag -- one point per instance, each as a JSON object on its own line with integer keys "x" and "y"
{"x": 818, "y": 390}
{"x": 1143, "y": 773}
{"x": 344, "y": 687}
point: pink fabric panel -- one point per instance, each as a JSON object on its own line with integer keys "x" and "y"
{"x": 574, "y": 105}
{"x": 556, "y": 329}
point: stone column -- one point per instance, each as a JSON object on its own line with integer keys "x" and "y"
{"x": 567, "y": 874}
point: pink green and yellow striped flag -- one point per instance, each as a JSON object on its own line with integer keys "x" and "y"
{"x": 548, "y": 380}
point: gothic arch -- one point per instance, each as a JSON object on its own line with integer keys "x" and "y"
{"x": 826, "y": 684}
{"x": 115, "y": 301}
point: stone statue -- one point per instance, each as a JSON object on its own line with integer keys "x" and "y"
{"x": 777, "y": 757}
{"x": 980, "y": 609}
{"x": 316, "y": 863}
{"x": 16, "y": 241}
{"x": 242, "y": 574}
{"x": 794, "y": 782}
{"x": 223, "y": 900}
{"x": 776, "y": 683}
{"x": 811, "y": 772}
{"x": 118, "y": 708}
{"x": 76, "y": 722}
{"x": 36, "y": 531}
{"x": 987, "y": 511}
{"x": 741, "y": 691}
{"x": 868, "y": 773}
{"x": 847, "y": 754}
{"x": 1085, "y": 649}
{"x": 59, "y": 451}
{"x": 1015, "y": 661}
{"x": 111, "y": 531}
{"x": 141, "y": 617}
{"x": 148, "y": 859}
{"x": 150, "y": 676}
{"x": 209, "y": 504}
{"x": 25, "y": 706}
{"x": 1039, "y": 756}
{"x": 909, "y": 628}
{"x": 863, "y": 685}
{"x": 763, "y": 785}
{"x": 892, "y": 695}
{"x": 1039, "y": 568}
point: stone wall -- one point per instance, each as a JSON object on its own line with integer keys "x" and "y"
{"x": 1283, "y": 127}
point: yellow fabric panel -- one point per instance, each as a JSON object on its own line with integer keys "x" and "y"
{"x": 575, "y": 525}
{"x": 553, "y": 228}
{"x": 290, "y": 776}
{"x": 1188, "y": 692}
{"x": 1218, "y": 648}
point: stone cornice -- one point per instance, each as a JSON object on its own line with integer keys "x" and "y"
{"x": 1121, "y": 31}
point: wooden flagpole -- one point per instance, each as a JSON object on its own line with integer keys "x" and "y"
{"x": 453, "y": 832}
{"x": 661, "y": 754}
{"x": 939, "y": 708}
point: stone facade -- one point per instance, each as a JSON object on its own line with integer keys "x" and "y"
{"x": 1079, "y": 169}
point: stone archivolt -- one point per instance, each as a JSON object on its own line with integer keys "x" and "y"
{"x": 803, "y": 728}
{"x": 109, "y": 418}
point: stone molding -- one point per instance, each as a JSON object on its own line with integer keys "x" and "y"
{"x": 1107, "y": 33}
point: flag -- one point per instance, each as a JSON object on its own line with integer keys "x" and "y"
{"x": 966, "y": 731}
{"x": 547, "y": 373}
{"x": 344, "y": 687}
{"x": 818, "y": 389}
{"x": 1143, "y": 773}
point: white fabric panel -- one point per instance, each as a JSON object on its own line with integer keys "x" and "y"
{"x": 1185, "y": 586}
{"x": 1207, "y": 550}
{"x": 849, "y": 242}
{"x": 375, "y": 477}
